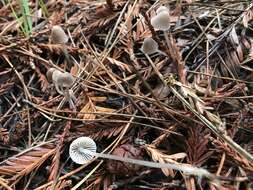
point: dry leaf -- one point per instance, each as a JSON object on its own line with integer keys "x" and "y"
{"x": 234, "y": 37}
{"x": 158, "y": 156}
{"x": 98, "y": 99}
{"x": 105, "y": 110}
{"x": 120, "y": 64}
{"x": 74, "y": 70}
{"x": 89, "y": 107}
{"x": 17, "y": 167}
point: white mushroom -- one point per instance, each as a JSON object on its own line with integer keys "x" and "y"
{"x": 162, "y": 8}
{"x": 80, "y": 148}
{"x": 63, "y": 82}
{"x": 83, "y": 149}
{"x": 161, "y": 21}
{"x": 58, "y": 36}
{"x": 53, "y": 74}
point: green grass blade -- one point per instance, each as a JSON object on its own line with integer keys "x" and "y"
{"x": 44, "y": 8}
{"x": 27, "y": 21}
{"x": 16, "y": 16}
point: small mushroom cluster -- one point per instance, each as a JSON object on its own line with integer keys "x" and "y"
{"x": 62, "y": 82}
{"x": 161, "y": 21}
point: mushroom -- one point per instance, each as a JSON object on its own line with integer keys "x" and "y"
{"x": 150, "y": 46}
{"x": 161, "y": 21}
{"x": 83, "y": 149}
{"x": 58, "y": 36}
{"x": 50, "y": 74}
{"x": 62, "y": 82}
{"x": 55, "y": 74}
{"x": 162, "y": 8}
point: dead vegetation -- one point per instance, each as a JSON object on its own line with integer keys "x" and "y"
{"x": 190, "y": 103}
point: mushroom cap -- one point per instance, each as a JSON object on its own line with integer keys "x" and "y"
{"x": 58, "y": 36}
{"x": 161, "y": 21}
{"x": 149, "y": 46}
{"x": 50, "y": 74}
{"x": 162, "y": 8}
{"x": 77, "y": 150}
{"x": 55, "y": 75}
{"x": 65, "y": 79}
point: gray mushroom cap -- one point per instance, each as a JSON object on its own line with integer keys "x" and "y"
{"x": 55, "y": 74}
{"x": 64, "y": 79}
{"x": 149, "y": 46}
{"x": 50, "y": 74}
{"x": 80, "y": 148}
{"x": 58, "y": 36}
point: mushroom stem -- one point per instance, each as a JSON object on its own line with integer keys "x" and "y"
{"x": 200, "y": 172}
{"x": 154, "y": 68}
{"x": 71, "y": 99}
{"x": 69, "y": 95}
{"x": 59, "y": 89}
{"x": 157, "y": 51}
{"x": 161, "y": 52}
{"x": 66, "y": 53}
{"x": 72, "y": 95}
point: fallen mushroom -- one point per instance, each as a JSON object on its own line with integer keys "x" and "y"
{"x": 79, "y": 147}
{"x": 83, "y": 149}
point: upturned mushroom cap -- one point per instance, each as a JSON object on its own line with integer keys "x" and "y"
{"x": 64, "y": 79}
{"x": 162, "y": 8}
{"x": 161, "y": 21}
{"x": 149, "y": 46}
{"x": 79, "y": 150}
{"x": 58, "y": 36}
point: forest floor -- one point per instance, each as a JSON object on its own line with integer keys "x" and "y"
{"x": 185, "y": 98}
